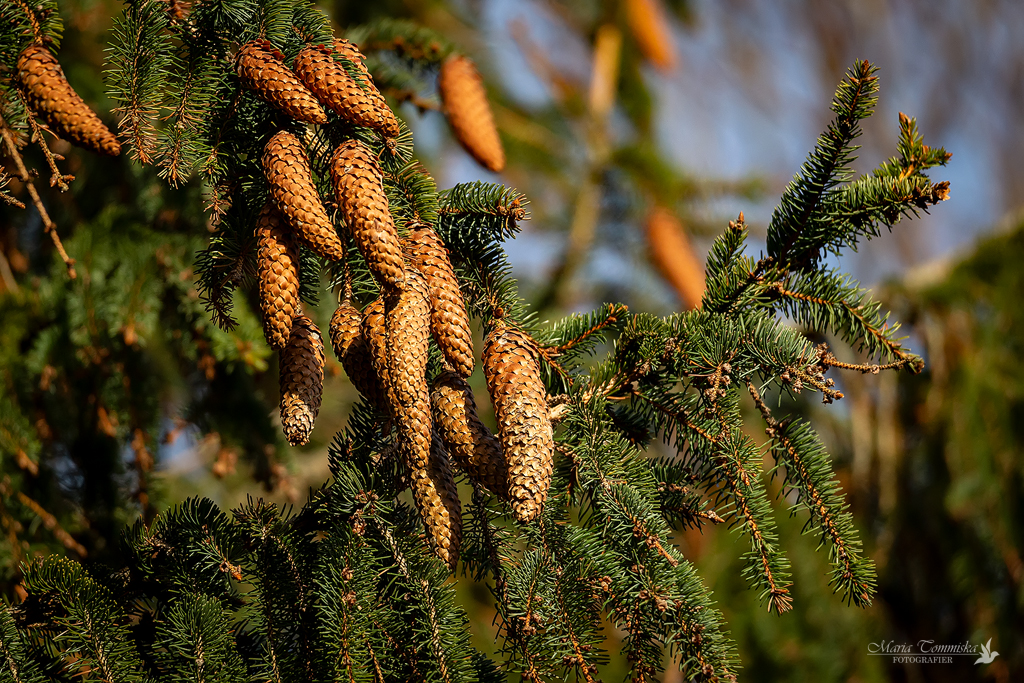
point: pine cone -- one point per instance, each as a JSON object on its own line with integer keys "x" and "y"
{"x": 350, "y": 52}
{"x": 291, "y": 185}
{"x": 359, "y": 187}
{"x": 260, "y": 69}
{"x": 473, "y": 448}
{"x": 469, "y": 114}
{"x": 376, "y": 336}
{"x": 672, "y": 254}
{"x": 277, "y": 270}
{"x": 352, "y": 350}
{"x": 51, "y": 97}
{"x": 407, "y": 320}
{"x": 521, "y": 409}
{"x": 651, "y": 29}
{"x": 437, "y": 499}
{"x": 302, "y": 380}
{"x": 340, "y": 92}
{"x": 448, "y": 318}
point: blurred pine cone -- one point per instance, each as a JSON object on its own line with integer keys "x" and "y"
{"x": 469, "y": 114}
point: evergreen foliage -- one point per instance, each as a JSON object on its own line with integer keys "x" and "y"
{"x": 346, "y": 588}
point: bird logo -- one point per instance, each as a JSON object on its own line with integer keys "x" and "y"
{"x": 986, "y": 655}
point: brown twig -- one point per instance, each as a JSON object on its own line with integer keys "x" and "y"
{"x": 57, "y": 178}
{"x": 48, "y": 225}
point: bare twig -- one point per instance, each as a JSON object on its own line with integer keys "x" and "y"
{"x": 48, "y": 225}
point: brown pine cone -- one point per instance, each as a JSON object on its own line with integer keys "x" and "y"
{"x": 352, "y": 350}
{"x": 472, "y": 447}
{"x": 469, "y": 114}
{"x": 437, "y": 499}
{"x": 51, "y": 97}
{"x": 338, "y": 91}
{"x": 376, "y": 336}
{"x": 407, "y": 320}
{"x": 277, "y": 270}
{"x": 260, "y": 69}
{"x": 302, "y": 380}
{"x": 448, "y": 318}
{"x": 291, "y": 185}
{"x": 521, "y": 409}
{"x": 350, "y": 52}
{"x": 359, "y": 187}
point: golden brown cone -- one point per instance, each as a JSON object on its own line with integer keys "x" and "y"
{"x": 469, "y": 113}
{"x": 359, "y": 187}
{"x": 286, "y": 167}
{"x": 302, "y": 380}
{"x": 437, "y": 499}
{"x": 407, "y": 325}
{"x": 339, "y": 91}
{"x": 277, "y": 270}
{"x": 472, "y": 447}
{"x": 672, "y": 254}
{"x": 652, "y": 31}
{"x": 51, "y": 97}
{"x": 375, "y": 334}
{"x": 521, "y": 410}
{"x": 260, "y": 69}
{"x": 449, "y": 321}
{"x": 352, "y": 350}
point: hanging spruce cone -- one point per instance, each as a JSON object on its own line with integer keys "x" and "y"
{"x": 437, "y": 499}
{"x": 277, "y": 270}
{"x": 260, "y": 69}
{"x": 521, "y": 409}
{"x": 448, "y": 318}
{"x": 350, "y": 52}
{"x": 51, "y": 97}
{"x": 291, "y": 185}
{"x": 472, "y": 447}
{"x": 302, "y": 380}
{"x": 407, "y": 321}
{"x": 359, "y": 187}
{"x": 375, "y": 334}
{"x": 469, "y": 114}
{"x": 339, "y": 91}
{"x": 351, "y": 348}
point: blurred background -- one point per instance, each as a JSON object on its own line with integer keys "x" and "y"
{"x": 637, "y": 128}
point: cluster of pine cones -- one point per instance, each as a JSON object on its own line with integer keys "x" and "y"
{"x": 384, "y": 349}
